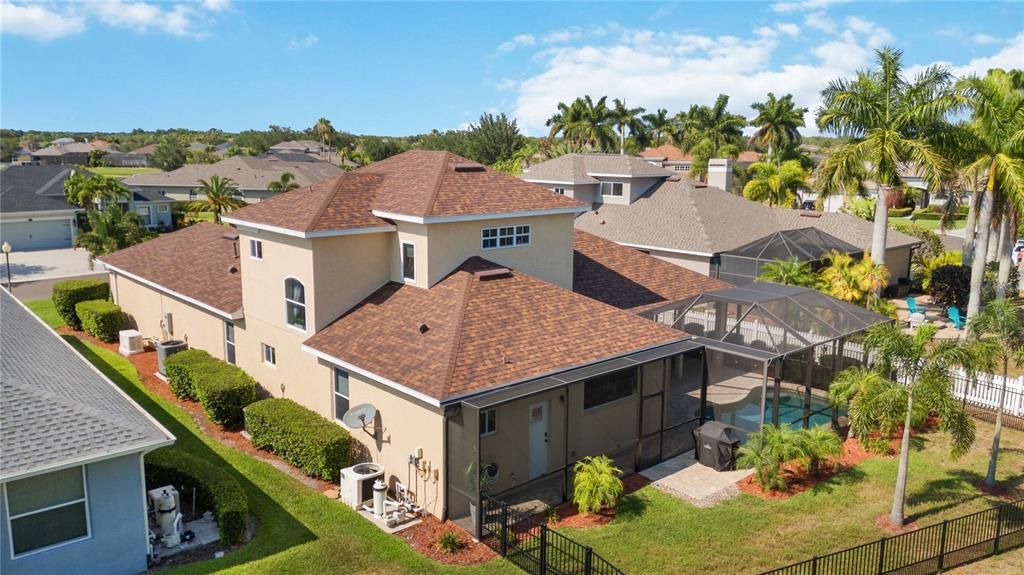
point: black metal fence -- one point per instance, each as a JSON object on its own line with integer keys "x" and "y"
{"x": 925, "y": 551}
{"x": 530, "y": 545}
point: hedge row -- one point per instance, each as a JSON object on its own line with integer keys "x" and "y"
{"x": 223, "y": 389}
{"x": 900, "y": 212}
{"x": 300, "y": 436}
{"x": 67, "y": 294}
{"x": 216, "y": 490}
{"x": 926, "y": 214}
{"x": 100, "y": 318}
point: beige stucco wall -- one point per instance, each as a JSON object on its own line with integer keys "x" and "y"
{"x": 640, "y": 186}
{"x": 897, "y": 260}
{"x": 548, "y": 257}
{"x": 509, "y": 446}
{"x": 346, "y": 269}
{"x": 699, "y": 264}
{"x": 181, "y": 193}
{"x": 602, "y": 429}
{"x": 415, "y": 234}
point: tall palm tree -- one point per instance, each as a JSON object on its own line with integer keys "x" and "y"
{"x": 219, "y": 196}
{"x": 878, "y": 404}
{"x": 775, "y": 184}
{"x": 777, "y": 122}
{"x": 714, "y": 124}
{"x": 996, "y": 133}
{"x": 790, "y": 271}
{"x": 594, "y": 127}
{"x": 855, "y": 281}
{"x": 285, "y": 183}
{"x": 661, "y": 125}
{"x": 325, "y": 131}
{"x": 625, "y": 118}
{"x": 999, "y": 330}
{"x": 881, "y": 113}
{"x": 110, "y": 230}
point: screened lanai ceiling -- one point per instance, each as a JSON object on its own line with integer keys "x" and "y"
{"x": 803, "y": 243}
{"x": 773, "y": 319}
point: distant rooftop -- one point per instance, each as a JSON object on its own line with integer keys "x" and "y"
{"x": 580, "y": 168}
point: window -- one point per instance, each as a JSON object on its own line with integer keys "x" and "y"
{"x": 145, "y": 215}
{"x": 269, "y": 355}
{"x": 192, "y": 195}
{"x": 161, "y": 208}
{"x": 47, "y": 510}
{"x": 608, "y": 388}
{"x": 681, "y": 167}
{"x": 408, "y": 261}
{"x": 295, "y": 303}
{"x": 611, "y": 188}
{"x": 505, "y": 237}
{"x": 229, "y": 342}
{"x": 558, "y": 190}
{"x": 340, "y": 392}
{"x": 256, "y": 249}
{"x": 488, "y": 422}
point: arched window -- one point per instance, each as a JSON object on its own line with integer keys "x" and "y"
{"x": 295, "y": 303}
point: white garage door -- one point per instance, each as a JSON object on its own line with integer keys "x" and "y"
{"x": 44, "y": 235}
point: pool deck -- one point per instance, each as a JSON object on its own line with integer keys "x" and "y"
{"x": 685, "y": 478}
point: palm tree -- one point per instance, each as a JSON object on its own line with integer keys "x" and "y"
{"x": 110, "y": 230}
{"x": 791, "y": 271}
{"x": 714, "y": 124}
{"x": 766, "y": 451}
{"x": 91, "y": 191}
{"x": 878, "y": 404}
{"x": 220, "y": 196}
{"x": 776, "y": 184}
{"x": 778, "y": 122}
{"x": 286, "y": 183}
{"x": 999, "y": 329}
{"x": 854, "y": 281}
{"x": 881, "y": 114}
{"x": 326, "y": 132}
{"x": 624, "y": 118}
{"x": 594, "y": 127}
{"x": 818, "y": 443}
{"x": 661, "y": 125}
{"x": 996, "y": 133}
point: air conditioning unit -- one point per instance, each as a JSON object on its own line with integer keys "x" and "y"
{"x": 357, "y": 483}
{"x": 131, "y": 342}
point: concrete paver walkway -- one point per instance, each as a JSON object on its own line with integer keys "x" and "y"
{"x": 47, "y": 265}
{"x": 683, "y": 477}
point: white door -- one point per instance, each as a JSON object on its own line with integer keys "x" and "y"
{"x": 538, "y": 439}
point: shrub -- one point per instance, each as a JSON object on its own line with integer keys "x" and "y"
{"x": 950, "y": 286}
{"x": 900, "y": 212}
{"x": 926, "y": 214}
{"x": 817, "y": 444}
{"x": 863, "y": 208}
{"x": 300, "y": 436}
{"x": 766, "y": 451}
{"x": 216, "y": 490}
{"x": 68, "y": 294}
{"x": 991, "y": 281}
{"x": 449, "y": 543}
{"x": 100, "y": 318}
{"x": 597, "y": 484}
{"x": 223, "y": 389}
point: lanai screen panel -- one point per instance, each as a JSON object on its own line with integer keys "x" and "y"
{"x": 744, "y": 264}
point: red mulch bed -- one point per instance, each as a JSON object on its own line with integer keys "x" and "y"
{"x": 798, "y": 480}
{"x": 570, "y": 516}
{"x": 423, "y": 537}
{"x": 145, "y": 363}
{"x": 883, "y": 523}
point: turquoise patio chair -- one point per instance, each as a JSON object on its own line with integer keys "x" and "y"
{"x": 954, "y": 316}
{"x": 912, "y": 306}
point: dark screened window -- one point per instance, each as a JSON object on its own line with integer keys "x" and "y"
{"x": 47, "y": 510}
{"x": 340, "y": 392}
{"x": 488, "y": 422}
{"x": 609, "y": 388}
{"x": 409, "y": 262}
{"x": 295, "y": 303}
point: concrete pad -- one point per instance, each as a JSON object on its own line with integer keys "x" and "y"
{"x": 685, "y": 478}
{"x": 48, "y": 265}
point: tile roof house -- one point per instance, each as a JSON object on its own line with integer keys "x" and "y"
{"x": 251, "y": 176}
{"x": 73, "y": 446}
{"x": 418, "y": 284}
{"x": 597, "y": 178}
{"x": 672, "y": 158}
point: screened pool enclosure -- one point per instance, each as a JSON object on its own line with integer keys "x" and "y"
{"x": 744, "y": 264}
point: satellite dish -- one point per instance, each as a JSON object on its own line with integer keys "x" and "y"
{"x": 359, "y": 416}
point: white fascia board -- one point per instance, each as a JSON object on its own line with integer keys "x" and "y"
{"x": 218, "y": 312}
{"x": 669, "y": 250}
{"x": 542, "y": 181}
{"x": 41, "y": 216}
{"x": 477, "y": 217}
{"x": 630, "y": 176}
{"x": 366, "y": 373}
{"x": 306, "y": 235}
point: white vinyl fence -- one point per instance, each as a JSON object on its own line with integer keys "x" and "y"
{"x": 984, "y": 392}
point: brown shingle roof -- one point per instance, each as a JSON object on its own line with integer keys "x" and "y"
{"x": 417, "y": 183}
{"x": 196, "y": 262}
{"x": 470, "y": 332}
{"x": 247, "y": 172}
{"x": 667, "y": 151}
{"x": 629, "y": 279}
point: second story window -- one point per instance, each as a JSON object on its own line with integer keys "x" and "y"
{"x": 256, "y": 249}
{"x": 408, "y": 261}
{"x": 295, "y": 303}
{"x": 558, "y": 190}
{"x": 505, "y": 237}
{"x": 611, "y": 189}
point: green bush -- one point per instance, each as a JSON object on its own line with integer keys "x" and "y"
{"x": 597, "y": 484}
{"x": 926, "y": 214}
{"x": 900, "y": 212}
{"x": 950, "y": 286}
{"x": 68, "y": 294}
{"x": 216, "y": 490}
{"x": 100, "y": 318}
{"x": 300, "y": 436}
{"x": 223, "y": 389}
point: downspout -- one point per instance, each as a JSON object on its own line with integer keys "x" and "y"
{"x": 444, "y": 464}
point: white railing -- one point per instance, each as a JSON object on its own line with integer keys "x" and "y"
{"x": 984, "y": 391}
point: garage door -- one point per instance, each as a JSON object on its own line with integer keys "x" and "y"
{"x": 45, "y": 235}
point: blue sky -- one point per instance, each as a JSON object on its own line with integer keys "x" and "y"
{"x": 394, "y": 69}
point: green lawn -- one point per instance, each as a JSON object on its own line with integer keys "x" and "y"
{"x": 122, "y": 172}
{"x": 45, "y": 310}
{"x": 934, "y": 224}
{"x": 298, "y": 530}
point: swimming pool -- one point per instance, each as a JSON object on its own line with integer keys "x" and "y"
{"x": 746, "y": 414}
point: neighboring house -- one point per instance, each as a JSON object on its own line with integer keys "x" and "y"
{"x": 251, "y": 176}
{"x": 65, "y": 151}
{"x": 672, "y": 158}
{"x": 34, "y": 212}
{"x": 299, "y": 147}
{"x": 597, "y": 178}
{"x": 460, "y": 302}
{"x": 292, "y": 150}
{"x": 74, "y": 491}
{"x": 690, "y": 224}
{"x": 154, "y": 209}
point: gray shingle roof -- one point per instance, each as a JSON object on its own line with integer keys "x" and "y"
{"x": 678, "y": 215}
{"x": 57, "y": 408}
{"x": 31, "y": 188}
{"x": 248, "y": 173}
{"x": 577, "y": 168}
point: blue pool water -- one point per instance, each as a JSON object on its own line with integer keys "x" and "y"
{"x": 746, "y": 414}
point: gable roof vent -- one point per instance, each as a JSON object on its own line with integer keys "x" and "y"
{"x": 468, "y": 167}
{"x": 493, "y": 273}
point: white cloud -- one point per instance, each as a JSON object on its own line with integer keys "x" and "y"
{"x": 177, "y": 19}
{"x": 820, "y": 21}
{"x": 984, "y": 39}
{"x": 950, "y": 31}
{"x": 38, "y": 22}
{"x": 562, "y": 36}
{"x": 507, "y": 84}
{"x": 1007, "y": 57}
{"x": 789, "y": 29}
{"x": 517, "y": 41}
{"x": 216, "y": 5}
{"x": 307, "y": 41}
{"x": 785, "y": 7}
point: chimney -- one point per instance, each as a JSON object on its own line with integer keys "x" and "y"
{"x": 720, "y": 173}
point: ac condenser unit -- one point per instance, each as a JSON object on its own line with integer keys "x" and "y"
{"x": 131, "y": 342}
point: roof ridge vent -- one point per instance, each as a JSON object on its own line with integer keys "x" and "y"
{"x": 468, "y": 167}
{"x": 492, "y": 273}
{"x": 809, "y": 214}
